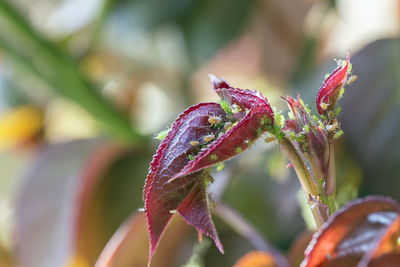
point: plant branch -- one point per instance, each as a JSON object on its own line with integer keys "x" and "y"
{"x": 317, "y": 207}
{"x": 331, "y": 179}
{"x": 247, "y": 231}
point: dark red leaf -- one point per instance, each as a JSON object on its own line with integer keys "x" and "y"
{"x": 194, "y": 209}
{"x": 255, "y": 117}
{"x": 329, "y": 92}
{"x": 245, "y": 99}
{"x": 236, "y": 140}
{"x": 163, "y": 197}
{"x": 353, "y": 233}
{"x": 204, "y": 135}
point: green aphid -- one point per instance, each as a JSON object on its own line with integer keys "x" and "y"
{"x": 338, "y": 110}
{"x": 213, "y": 157}
{"x": 225, "y": 106}
{"x": 350, "y": 68}
{"x": 161, "y": 135}
{"x": 190, "y": 157}
{"x": 220, "y": 166}
{"x": 238, "y": 150}
{"x": 265, "y": 120}
{"x": 338, "y": 134}
{"x": 341, "y": 93}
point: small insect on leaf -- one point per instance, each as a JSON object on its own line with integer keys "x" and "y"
{"x": 194, "y": 143}
{"x": 208, "y": 138}
{"x": 235, "y": 108}
{"x": 352, "y": 79}
{"x": 225, "y": 106}
{"x": 161, "y": 135}
{"x": 213, "y": 157}
{"x": 227, "y": 125}
{"x": 220, "y": 166}
{"x": 324, "y": 106}
{"x": 338, "y": 134}
{"x": 214, "y": 120}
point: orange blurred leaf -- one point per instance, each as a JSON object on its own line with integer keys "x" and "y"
{"x": 256, "y": 259}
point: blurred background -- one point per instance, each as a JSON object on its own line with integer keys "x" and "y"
{"x": 85, "y": 86}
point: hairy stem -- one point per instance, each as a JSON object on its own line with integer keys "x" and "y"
{"x": 331, "y": 179}
{"x": 318, "y": 209}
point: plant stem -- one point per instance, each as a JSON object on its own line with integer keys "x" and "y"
{"x": 331, "y": 179}
{"x": 318, "y": 209}
{"x": 300, "y": 167}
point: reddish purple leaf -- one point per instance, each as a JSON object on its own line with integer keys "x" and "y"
{"x": 194, "y": 209}
{"x": 204, "y": 135}
{"x": 254, "y": 116}
{"x": 236, "y": 140}
{"x": 245, "y": 99}
{"x": 354, "y": 234}
{"x": 329, "y": 92}
{"x": 162, "y": 197}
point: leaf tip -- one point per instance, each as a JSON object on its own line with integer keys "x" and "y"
{"x": 218, "y": 83}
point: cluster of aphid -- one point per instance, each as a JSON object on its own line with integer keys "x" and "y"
{"x": 219, "y": 126}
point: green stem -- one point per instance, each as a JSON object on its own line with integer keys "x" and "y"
{"x": 300, "y": 167}
{"x": 331, "y": 179}
{"x": 317, "y": 208}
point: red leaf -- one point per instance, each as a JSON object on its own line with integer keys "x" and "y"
{"x": 160, "y": 196}
{"x": 202, "y": 136}
{"x": 354, "y": 233}
{"x": 329, "y": 92}
{"x": 255, "y": 117}
{"x": 236, "y": 140}
{"x": 245, "y": 99}
{"x": 194, "y": 209}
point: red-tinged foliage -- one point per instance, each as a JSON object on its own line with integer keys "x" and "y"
{"x": 194, "y": 209}
{"x": 329, "y": 92}
{"x": 204, "y": 135}
{"x": 163, "y": 197}
{"x": 236, "y": 140}
{"x": 355, "y": 233}
{"x": 245, "y": 99}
